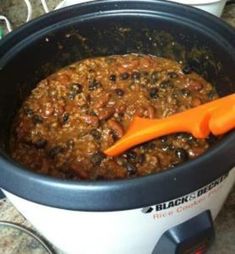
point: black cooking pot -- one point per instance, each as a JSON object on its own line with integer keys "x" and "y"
{"x": 104, "y": 28}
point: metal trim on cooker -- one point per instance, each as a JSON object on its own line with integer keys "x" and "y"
{"x": 117, "y": 194}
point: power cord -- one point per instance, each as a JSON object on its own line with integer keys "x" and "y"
{"x": 29, "y": 8}
{"x": 8, "y": 23}
{"x": 44, "y": 5}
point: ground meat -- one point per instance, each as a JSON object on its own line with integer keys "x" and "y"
{"x": 75, "y": 114}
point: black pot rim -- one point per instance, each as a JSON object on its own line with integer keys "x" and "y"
{"x": 118, "y": 194}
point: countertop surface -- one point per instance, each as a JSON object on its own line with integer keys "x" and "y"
{"x": 225, "y": 222}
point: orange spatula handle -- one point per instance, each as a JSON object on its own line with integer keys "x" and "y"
{"x": 199, "y": 121}
{"x": 222, "y": 120}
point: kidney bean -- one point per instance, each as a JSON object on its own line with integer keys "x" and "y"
{"x": 195, "y": 151}
{"x": 105, "y": 113}
{"x": 120, "y": 108}
{"x": 140, "y": 111}
{"x": 195, "y": 85}
{"x": 48, "y": 110}
{"x": 150, "y": 111}
{"x": 196, "y": 102}
{"x": 41, "y": 143}
{"x": 97, "y": 158}
{"x": 102, "y": 101}
{"x": 92, "y": 120}
{"x": 146, "y": 62}
{"x": 63, "y": 78}
{"x": 116, "y": 127}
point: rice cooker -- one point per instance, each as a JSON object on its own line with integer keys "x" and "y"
{"x": 163, "y": 213}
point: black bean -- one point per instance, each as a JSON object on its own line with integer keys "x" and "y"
{"x": 211, "y": 139}
{"x": 28, "y": 112}
{"x": 114, "y": 135}
{"x": 141, "y": 158}
{"x": 135, "y": 75}
{"x": 94, "y": 84}
{"x": 172, "y": 75}
{"x": 164, "y": 139}
{"x": 131, "y": 169}
{"x": 71, "y": 95}
{"x": 166, "y": 84}
{"x": 65, "y": 118}
{"x": 37, "y": 119}
{"x": 112, "y": 77}
{"x": 167, "y": 147}
{"x": 41, "y": 143}
{"x": 211, "y": 94}
{"x": 95, "y": 134}
{"x": 181, "y": 154}
{"x": 153, "y": 93}
{"x": 174, "y": 165}
{"x": 184, "y": 136}
{"x": 154, "y": 77}
{"x": 54, "y": 151}
{"x": 97, "y": 158}
{"x": 185, "y": 92}
{"x": 148, "y": 145}
{"x": 131, "y": 156}
{"x": 77, "y": 87}
{"x": 145, "y": 73}
{"x": 119, "y": 92}
{"x": 100, "y": 177}
{"x": 175, "y": 95}
{"x": 187, "y": 69}
{"x": 88, "y": 98}
{"x": 70, "y": 143}
{"x": 69, "y": 174}
{"x": 124, "y": 75}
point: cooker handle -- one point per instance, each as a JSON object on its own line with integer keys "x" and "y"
{"x": 192, "y": 236}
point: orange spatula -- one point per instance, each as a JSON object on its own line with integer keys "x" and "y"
{"x": 217, "y": 117}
